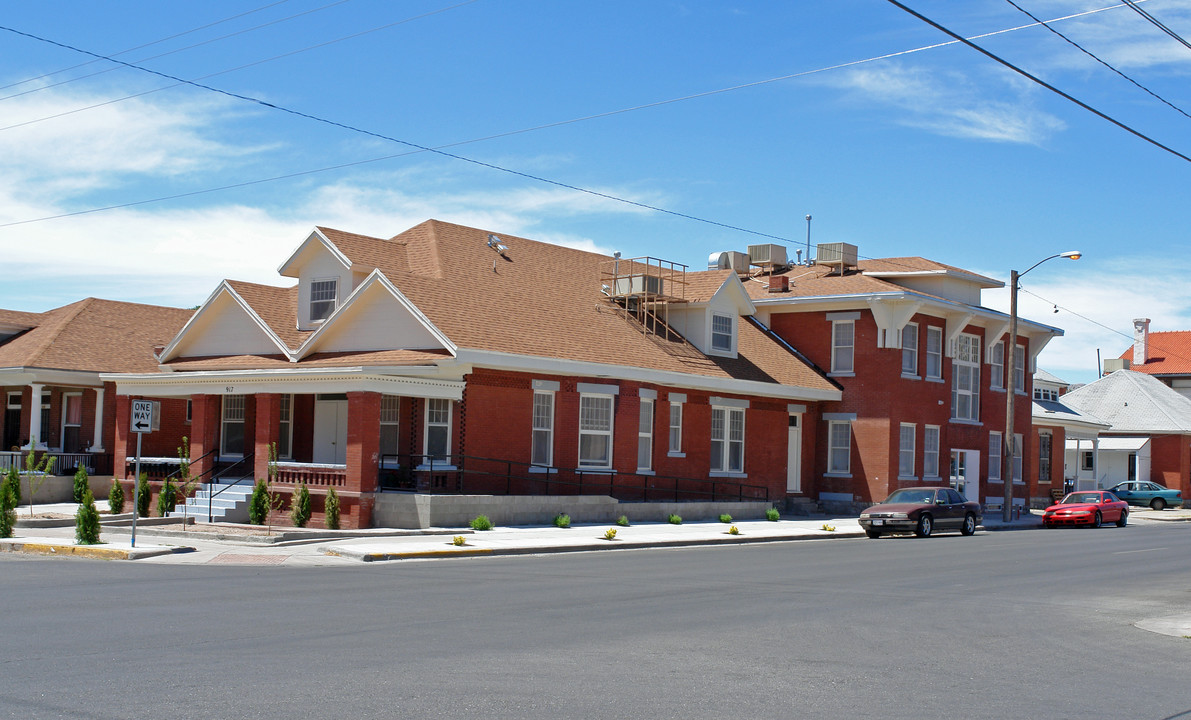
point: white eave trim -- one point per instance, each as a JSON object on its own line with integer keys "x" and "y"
{"x": 403, "y": 381}
{"x": 315, "y": 234}
{"x": 168, "y": 353}
{"x": 982, "y": 280}
{"x": 557, "y": 366}
{"x": 23, "y": 376}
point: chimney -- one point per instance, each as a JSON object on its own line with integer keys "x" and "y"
{"x": 1141, "y": 340}
{"x": 779, "y": 283}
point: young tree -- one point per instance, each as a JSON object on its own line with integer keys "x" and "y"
{"x": 186, "y": 483}
{"x": 143, "y": 495}
{"x": 116, "y": 498}
{"x": 80, "y": 482}
{"x": 36, "y": 471}
{"x": 299, "y": 510}
{"x": 86, "y": 521}
{"x": 8, "y": 513}
{"x": 331, "y": 511}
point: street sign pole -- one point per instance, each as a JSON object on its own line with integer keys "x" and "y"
{"x": 143, "y": 414}
{"x": 136, "y": 485}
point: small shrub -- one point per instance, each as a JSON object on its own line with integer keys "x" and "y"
{"x": 562, "y": 520}
{"x": 459, "y": 540}
{"x": 86, "y": 521}
{"x": 481, "y": 522}
{"x": 828, "y": 528}
{"x": 299, "y": 510}
{"x": 772, "y": 515}
{"x": 674, "y": 519}
{"x": 80, "y": 483}
{"x": 331, "y": 514}
{"x": 116, "y": 497}
{"x": 733, "y": 530}
{"x": 623, "y": 521}
{"x": 610, "y": 533}
{"x": 167, "y": 499}
{"x": 258, "y": 506}
{"x": 726, "y": 518}
{"x": 143, "y": 494}
{"x": 13, "y": 480}
{"x": 8, "y": 513}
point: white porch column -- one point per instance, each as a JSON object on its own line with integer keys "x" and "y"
{"x": 97, "y": 443}
{"x": 35, "y": 417}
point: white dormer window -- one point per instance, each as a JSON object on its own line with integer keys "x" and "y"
{"x": 323, "y": 294}
{"x": 722, "y": 331}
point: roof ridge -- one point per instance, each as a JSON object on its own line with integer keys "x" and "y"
{"x": 56, "y": 327}
{"x": 1136, "y": 379}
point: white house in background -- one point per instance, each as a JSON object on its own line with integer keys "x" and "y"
{"x": 1062, "y": 432}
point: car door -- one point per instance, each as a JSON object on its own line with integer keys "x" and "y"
{"x": 949, "y": 506}
{"x": 1125, "y": 491}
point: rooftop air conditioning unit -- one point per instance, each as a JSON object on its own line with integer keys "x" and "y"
{"x": 836, "y": 254}
{"x": 1114, "y": 364}
{"x": 730, "y": 260}
{"x": 637, "y": 285}
{"x": 768, "y": 255}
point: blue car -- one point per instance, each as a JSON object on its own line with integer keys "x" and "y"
{"x": 1143, "y": 493}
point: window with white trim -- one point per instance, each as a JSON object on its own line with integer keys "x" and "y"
{"x": 843, "y": 345}
{"x": 232, "y": 426}
{"x": 645, "y": 436}
{"x": 965, "y": 383}
{"x": 934, "y": 352}
{"x": 905, "y": 450}
{"x": 910, "y": 349}
{"x": 727, "y": 439}
{"x": 930, "y": 451}
{"x": 1019, "y": 368}
{"x": 1017, "y": 448}
{"x": 994, "y": 456}
{"x": 1044, "y": 446}
{"x": 542, "y": 441}
{"x": 323, "y": 294}
{"x": 839, "y": 447}
{"x": 438, "y": 429}
{"x": 1041, "y": 393}
{"x": 285, "y": 427}
{"x": 675, "y": 427}
{"x": 996, "y": 367}
{"x": 390, "y": 420}
{"x": 1087, "y": 460}
{"x": 72, "y": 422}
{"x": 595, "y": 431}
{"x": 722, "y": 331}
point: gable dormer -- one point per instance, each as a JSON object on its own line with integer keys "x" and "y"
{"x": 325, "y": 279}
{"x": 713, "y": 324}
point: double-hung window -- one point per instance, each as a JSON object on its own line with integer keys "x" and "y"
{"x": 994, "y": 456}
{"x": 721, "y": 332}
{"x": 675, "y": 427}
{"x": 930, "y": 451}
{"x": 438, "y": 429}
{"x": 727, "y": 439}
{"x": 645, "y": 436}
{"x": 1044, "y": 445}
{"x": 542, "y": 442}
{"x": 595, "y": 431}
{"x": 843, "y": 346}
{"x": 72, "y": 422}
{"x": 1019, "y": 368}
{"x": 839, "y": 447}
{"x": 285, "y": 424}
{"x": 390, "y": 417}
{"x": 996, "y": 367}
{"x": 905, "y": 450}
{"x": 910, "y": 349}
{"x": 934, "y": 352}
{"x": 232, "y": 428}
{"x": 965, "y": 383}
{"x": 323, "y": 294}
{"x": 1017, "y": 447}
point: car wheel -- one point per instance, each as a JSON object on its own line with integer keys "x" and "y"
{"x": 925, "y": 525}
{"x": 969, "y": 526}
{"x": 1124, "y": 519}
{"x": 1158, "y": 504}
{"x": 872, "y": 534}
{"x": 1096, "y": 521}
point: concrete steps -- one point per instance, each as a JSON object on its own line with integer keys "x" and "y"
{"x": 229, "y": 501}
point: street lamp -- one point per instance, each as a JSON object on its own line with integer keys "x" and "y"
{"x": 1007, "y": 442}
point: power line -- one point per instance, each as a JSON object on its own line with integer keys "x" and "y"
{"x": 1156, "y": 22}
{"x": 1085, "y": 51}
{"x": 1040, "y": 81}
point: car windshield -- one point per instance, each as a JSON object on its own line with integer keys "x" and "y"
{"x": 1080, "y": 498}
{"x": 911, "y": 496}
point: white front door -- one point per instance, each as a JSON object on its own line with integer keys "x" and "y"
{"x": 794, "y": 456}
{"x": 965, "y": 466}
{"x": 330, "y": 432}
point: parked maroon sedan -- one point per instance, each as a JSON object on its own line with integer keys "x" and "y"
{"x": 1087, "y": 507}
{"x": 921, "y": 511}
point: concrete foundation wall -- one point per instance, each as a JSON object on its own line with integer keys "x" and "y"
{"x": 400, "y": 510}
{"x": 60, "y": 489}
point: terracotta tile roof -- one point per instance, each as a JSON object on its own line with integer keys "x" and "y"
{"x": 1168, "y": 353}
{"x": 96, "y": 336}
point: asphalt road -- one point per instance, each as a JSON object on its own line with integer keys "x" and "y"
{"x": 1035, "y": 624}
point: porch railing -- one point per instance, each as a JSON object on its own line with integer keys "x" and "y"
{"x": 467, "y": 474}
{"x": 64, "y": 463}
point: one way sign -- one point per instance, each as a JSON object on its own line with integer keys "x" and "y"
{"x": 144, "y": 416}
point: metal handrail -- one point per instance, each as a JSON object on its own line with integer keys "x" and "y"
{"x": 216, "y": 476}
{"x": 190, "y": 462}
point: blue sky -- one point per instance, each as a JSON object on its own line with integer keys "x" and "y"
{"x": 891, "y": 144}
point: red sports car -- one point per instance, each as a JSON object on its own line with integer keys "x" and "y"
{"x": 1087, "y": 507}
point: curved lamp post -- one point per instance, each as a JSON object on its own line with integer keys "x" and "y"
{"x": 1008, "y": 442}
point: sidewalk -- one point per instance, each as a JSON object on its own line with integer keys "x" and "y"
{"x": 289, "y": 546}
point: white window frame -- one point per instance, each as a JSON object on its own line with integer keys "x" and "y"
{"x": 228, "y": 418}
{"x": 910, "y": 350}
{"x": 996, "y": 366}
{"x": 597, "y": 430}
{"x": 433, "y": 419}
{"x": 1046, "y": 440}
{"x": 837, "y": 449}
{"x": 333, "y": 300}
{"x": 65, "y": 416}
{"x": 1019, "y": 369}
{"x": 934, "y": 352}
{"x": 675, "y": 429}
{"x": 841, "y": 365}
{"x": 727, "y": 436}
{"x": 542, "y": 429}
{"x": 966, "y": 364}
{"x": 645, "y": 435}
{"x": 906, "y": 442}
{"x": 285, "y": 426}
{"x": 720, "y": 335}
{"x": 390, "y": 417}
{"x": 930, "y": 451}
{"x": 1087, "y": 460}
{"x": 1042, "y": 393}
{"x": 995, "y": 456}
{"x": 1018, "y": 445}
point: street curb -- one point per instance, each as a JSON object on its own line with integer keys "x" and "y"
{"x": 89, "y": 551}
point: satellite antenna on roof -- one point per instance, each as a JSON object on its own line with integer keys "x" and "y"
{"x": 495, "y": 243}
